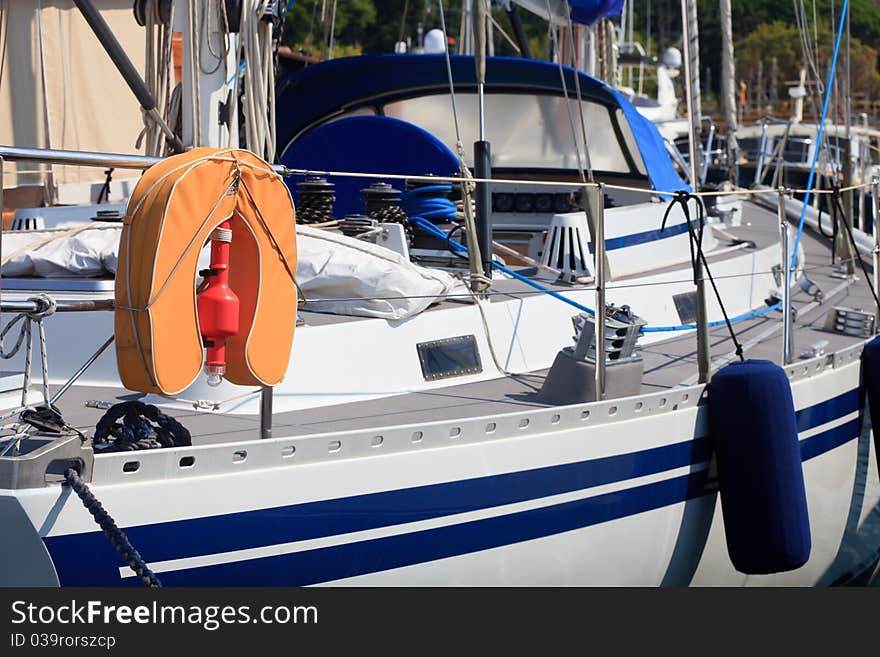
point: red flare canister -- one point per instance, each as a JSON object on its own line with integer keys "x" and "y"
{"x": 217, "y": 305}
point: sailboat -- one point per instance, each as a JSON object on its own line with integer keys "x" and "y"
{"x": 377, "y": 398}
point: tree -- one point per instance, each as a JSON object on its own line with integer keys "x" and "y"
{"x": 353, "y": 20}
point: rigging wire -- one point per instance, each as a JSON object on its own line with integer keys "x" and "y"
{"x": 467, "y": 185}
{"x": 843, "y": 13}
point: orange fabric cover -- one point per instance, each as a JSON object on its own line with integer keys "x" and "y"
{"x": 174, "y": 208}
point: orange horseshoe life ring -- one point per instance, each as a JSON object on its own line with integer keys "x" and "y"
{"x": 175, "y": 209}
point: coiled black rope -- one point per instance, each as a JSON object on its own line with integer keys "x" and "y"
{"x": 316, "y": 198}
{"x": 117, "y": 537}
{"x": 394, "y": 214}
{"x": 142, "y": 426}
{"x": 681, "y": 198}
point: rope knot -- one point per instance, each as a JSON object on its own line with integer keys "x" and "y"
{"x": 46, "y": 307}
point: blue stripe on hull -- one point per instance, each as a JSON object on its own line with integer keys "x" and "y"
{"x": 363, "y": 557}
{"x": 299, "y": 522}
{"x": 614, "y": 243}
{"x": 830, "y": 409}
{"x": 89, "y": 559}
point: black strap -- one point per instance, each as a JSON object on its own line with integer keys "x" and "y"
{"x": 858, "y": 257}
{"x": 681, "y": 199}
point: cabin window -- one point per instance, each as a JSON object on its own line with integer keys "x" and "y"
{"x": 525, "y": 130}
{"x": 630, "y": 141}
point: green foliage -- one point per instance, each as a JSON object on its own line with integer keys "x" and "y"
{"x": 768, "y": 41}
{"x": 374, "y": 26}
{"x": 762, "y": 29}
{"x": 748, "y": 16}
{"x": 354, "y": 18}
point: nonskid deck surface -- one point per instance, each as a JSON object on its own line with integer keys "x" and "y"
{"x": 667, "y": 364}
{"x": 674, "y": 361}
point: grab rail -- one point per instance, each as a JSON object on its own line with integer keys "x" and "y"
{"x": 87, "y": 158}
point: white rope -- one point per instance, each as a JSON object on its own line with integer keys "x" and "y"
{"x": 259, "y": 79}
{"x": 211, "y": 404}
{"x": 25, "y": 337}
{"x": 221, "y": 29}
{"x": 194, "y": 67}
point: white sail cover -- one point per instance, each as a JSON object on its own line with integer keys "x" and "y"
{"x": 87, "y": 250}
{"x": 343, "y": 275}
{"x": 337, "y": 274}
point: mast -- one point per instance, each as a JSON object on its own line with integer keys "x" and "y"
{"x": 728, "y": 90}
{"x": 692, "y": 94}
{"x": 691, "y": 42}
{"x": 210, "y": 56}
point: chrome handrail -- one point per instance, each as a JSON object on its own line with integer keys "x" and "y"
{"x": 87, "y": 158}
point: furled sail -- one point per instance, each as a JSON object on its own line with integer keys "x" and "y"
{"x": 589, "y": 11}
{"x": 580, "y": 11}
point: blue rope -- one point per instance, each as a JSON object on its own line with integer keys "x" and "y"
{"x": 420, "y": 208}
{"x": 415, "y": 203}
{"x": 232, "y": 77}
{"x": 720, "y": 322}
{"x": 800, "y": 230}
{"x": 431, "y": 228}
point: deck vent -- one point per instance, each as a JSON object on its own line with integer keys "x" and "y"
{"x": 27, "y": 223}
{"x": 567, "y": 247}
{"x": 850, "y": 321}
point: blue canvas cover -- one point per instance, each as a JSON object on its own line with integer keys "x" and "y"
{"x": 661, "y": 171}
{"x": 319, "y": 92}
{"x": 384, "y": 144}
{"x": 589, "y": 11}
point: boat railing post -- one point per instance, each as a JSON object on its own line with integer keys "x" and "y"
{"x": 875, "y": 230}
{"x": 786, "y": 271}
{"x": 1, "y": 220}
{"x": 761, "y": 148}
{"x": 266, "y": 412}
{"x": 596, "y": 193}
{"x": 702, "y": 320}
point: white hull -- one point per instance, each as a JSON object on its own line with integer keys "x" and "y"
{"x": 623, "y": 496}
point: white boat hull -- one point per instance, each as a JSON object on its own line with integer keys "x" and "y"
{"x": 612, "y": 493}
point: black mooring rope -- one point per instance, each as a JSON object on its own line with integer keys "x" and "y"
{"x": 142, "y": 426}
{"x": 697, "y": 256}
{"x": 117, "y": 536}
